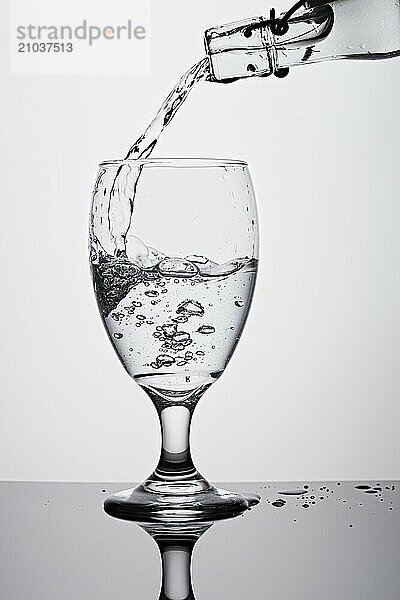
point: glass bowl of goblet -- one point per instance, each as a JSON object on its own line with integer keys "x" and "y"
{"x": 174, "y": 258}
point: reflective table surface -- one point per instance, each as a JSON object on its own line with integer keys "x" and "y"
{"x": 303, "y": 541}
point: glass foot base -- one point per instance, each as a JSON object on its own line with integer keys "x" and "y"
{"x": 142, "y": 505}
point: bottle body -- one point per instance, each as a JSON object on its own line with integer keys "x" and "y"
{"x": 321, "y": 31}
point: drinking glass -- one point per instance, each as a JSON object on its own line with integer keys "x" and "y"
{"x": 174, "y": 256}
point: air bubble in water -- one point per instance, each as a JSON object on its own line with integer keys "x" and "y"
{"x": 118, "y": 316}
{"x": 164, "y": 360}
{"x": 279, "y": 503}
{"x": 206, "y": 329}
{"x": 177, "y": 267}
{"x": 118, "y": 336}
{"x": 181, "y": 319}
{"x": 182, "y": 337}
{"x": 132, "y": 307}
{"x": 190, "y": 307}
{"x": 195, "y": 258}
{"x": 169, "y": 330}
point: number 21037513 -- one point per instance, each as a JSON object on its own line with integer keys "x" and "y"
{"x": 38, "y": 47}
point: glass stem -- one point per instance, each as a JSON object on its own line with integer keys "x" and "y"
{"x": 176, "y": 473}
{"x": 175, "y": 460}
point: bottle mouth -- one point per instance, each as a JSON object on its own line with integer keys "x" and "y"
{"x": 182, "y": 163}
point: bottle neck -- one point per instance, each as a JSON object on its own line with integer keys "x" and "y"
{"x": 319, "y": 31}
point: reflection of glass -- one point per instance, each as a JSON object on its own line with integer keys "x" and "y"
{"x": 174, "y": 270}
{"x": 176, "y": 544}
{"x": 176, "y": 541}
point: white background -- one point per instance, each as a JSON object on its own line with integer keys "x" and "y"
{"x": 312, "y": 391}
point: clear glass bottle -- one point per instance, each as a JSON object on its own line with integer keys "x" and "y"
{"x": 314, "y": 32}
